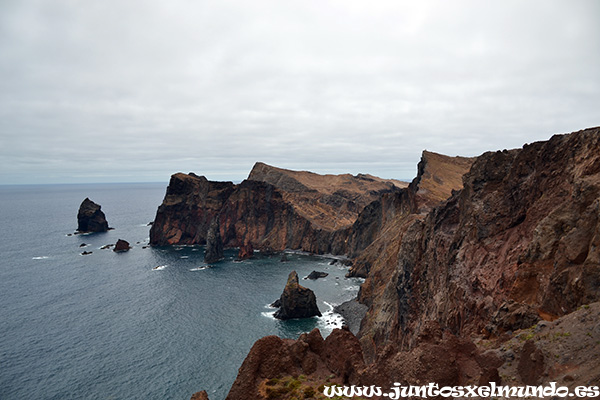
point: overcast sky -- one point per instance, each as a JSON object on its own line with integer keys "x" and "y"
{"x": 126, "y": 91}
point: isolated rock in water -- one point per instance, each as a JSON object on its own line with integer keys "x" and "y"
{"x": 297, "y": 301}
{"x": 122, "y": 245}
{"x": 214, "y": 244}
{"x": 200, "y": 395}
{"x": 246, "y": 252}
{"x": 284, "y": 258}
{"x": 316, "y": 275}
{"x": 85, "y": 253}
{"x": 90, "y": 218}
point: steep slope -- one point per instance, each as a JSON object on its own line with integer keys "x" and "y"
{"x": 524, "y": 230}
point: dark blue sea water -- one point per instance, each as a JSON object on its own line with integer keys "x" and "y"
{"x": 111, "y": 326}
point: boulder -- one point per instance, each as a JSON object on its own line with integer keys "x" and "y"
{"x": 122, "y": 245}
{"x": 316, "y": 275}
{"x": 297, "y": 301}
{"x": 90, "y": 218}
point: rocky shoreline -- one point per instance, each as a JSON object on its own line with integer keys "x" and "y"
{"x": 464, "y": 269}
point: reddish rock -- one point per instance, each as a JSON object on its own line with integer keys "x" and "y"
{"x": 296, "y": 301}
{"x": 310, "y": 355}
{"x": 122, "y": 245}
{"x": 246, "y": 251}
{"x": 90, "y": 218}
{"x": 200, "y": 395}
{"x": 531, "y": 364}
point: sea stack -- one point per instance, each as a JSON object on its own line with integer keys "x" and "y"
{"x": 214, "y": 243}
{"x": 296, "y": 301}
{"x": 90, "y": 218}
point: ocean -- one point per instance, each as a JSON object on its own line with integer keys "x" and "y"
{"x": 150, "y": 323}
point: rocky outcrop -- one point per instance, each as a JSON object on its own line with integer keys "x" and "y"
{"x": 202, "y": 395}
{"x": 214, "y": 244}
{"x": 316, "y": 275}
{"x": 90, "y": 218}
{"x": 296, "y": 301}
{"x": 121, "y": 245}
{"x": 273, "y": 364}
{"x": 273, "y": 209}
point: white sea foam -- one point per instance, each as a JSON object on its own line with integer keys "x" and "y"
{"x": 201, "y": 268}
{"x": 159, "y": 268}
{"x": 40, "y": 258}
{"x": 268, "y": 314}
{"x": 184, "y": 257}
{"x": 330, "y": 320}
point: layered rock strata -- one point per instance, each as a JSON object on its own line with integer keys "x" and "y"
{"x": 90, "y": 218}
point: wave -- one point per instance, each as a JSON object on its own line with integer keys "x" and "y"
{"x": 201, "y": 268}
{"x": 159, "y": 268}
{"x": 40, "y": 258}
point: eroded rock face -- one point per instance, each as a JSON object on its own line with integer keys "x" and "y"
{"x": 523, "y": 229}
{"x": 296, "y": 301}
{"x": 191, "y": 203}
{"x": 273, "y": 209}
{"x": 90, "y": 218}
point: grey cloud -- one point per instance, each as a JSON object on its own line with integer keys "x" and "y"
{"x": 121, "y": 91}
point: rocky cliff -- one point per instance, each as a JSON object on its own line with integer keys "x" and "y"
{"x": 524, "y": 229}
{"x": 273, "y": 209}
{"x": 454, "y": 290}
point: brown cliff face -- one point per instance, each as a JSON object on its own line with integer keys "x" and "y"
{"x": 524, "y": 228}
{"x": 376, "y": 235}
{"x": 274, "y": 209}
{"x": 190, "y": 205}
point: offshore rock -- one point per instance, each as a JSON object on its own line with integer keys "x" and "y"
{"x": 296, "y": 301}
{"x": 316, "y": 275}
{"x": 121, "y": 245}
{"x": 214, "y": 244}
{"x": 202, "y": 395}
{"x": 90, "y": 218}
